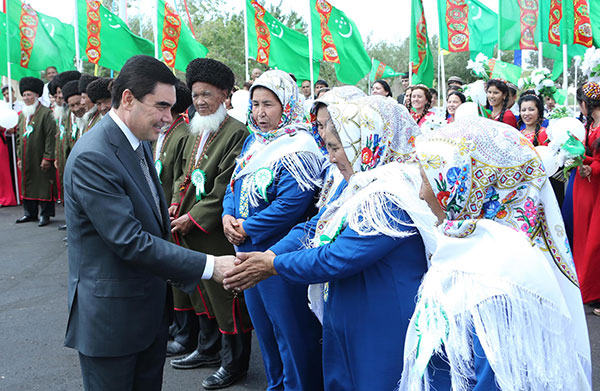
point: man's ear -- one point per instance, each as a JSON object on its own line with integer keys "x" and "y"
{"x": 127, "y": 99}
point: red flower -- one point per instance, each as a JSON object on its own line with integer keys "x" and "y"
{"x": 442, "y": 197}
{"x": 367, "y": 155}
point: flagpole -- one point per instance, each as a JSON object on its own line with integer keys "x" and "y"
{"x": 443, "y": 96}
{"x": 410, "y": 73}
{"x": 575, "y": 81}
{"x": 565, "y": 69}
{"x": 156, "y": 29}
{"x": 439, "y": 76}
{"x": 10, "y": 102}
{"x": 310, "y": 51}
{"x": 540, "y": 55}
{"x": 78, "y": 62}
{"x": 246, "y": 50}
{"x": 369, "y": 78}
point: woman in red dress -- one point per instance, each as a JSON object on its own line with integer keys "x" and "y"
{"x": 497, "y": 97}
{"x": 420, "y": 101}
{"x": 530, "y": 122}
{"x": 7, "y": 189}
{"x": 586, "y": 200}
{"x": 453, "y": 100}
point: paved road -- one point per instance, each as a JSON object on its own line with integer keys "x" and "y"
{"x": 33, "y": 312}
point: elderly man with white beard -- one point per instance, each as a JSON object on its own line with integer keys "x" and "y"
{"x": 206, "y": 165}
{"x": 35, "y": 151}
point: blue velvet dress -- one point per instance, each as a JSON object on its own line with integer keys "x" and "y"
{"x": 369, "y": 299}
{"x": 288, "y": 333}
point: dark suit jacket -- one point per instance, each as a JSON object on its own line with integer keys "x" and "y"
{"x": 119, "y": 254}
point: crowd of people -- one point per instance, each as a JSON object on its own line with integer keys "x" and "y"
{"x": 370, "y": 250}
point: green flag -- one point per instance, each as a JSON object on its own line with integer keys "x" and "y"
{"x": 105, "y": 39}
{"x": 420, "y": 52}
{"x": 38, "y": 40}
{"x": 580, "y": 23}
{"x": 336, "y": 39}
{"x": 519, "y": 24}
{"x": 16, "y": 71}
{"x": 272, "y": 43}
{"x": 467, "y": 25}
{"x": 177, "y": 44}
{"x": 380, "y": 70}
{"x": 504, "y": 70}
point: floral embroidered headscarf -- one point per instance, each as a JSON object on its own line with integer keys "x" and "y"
{"x": 484, "y": 169}
{"x": 286, "y": 90}
{"x": 374, "y": 130}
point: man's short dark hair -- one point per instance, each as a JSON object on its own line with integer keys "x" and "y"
{"x": 321, "y": 82}
{"x": 51, "y": 67}
{"x": 140, "y": 75}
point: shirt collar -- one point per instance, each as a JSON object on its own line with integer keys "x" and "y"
{"x": 133, "y": 141}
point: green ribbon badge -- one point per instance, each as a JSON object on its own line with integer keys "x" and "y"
{"x": 158, "y": 166}
{"x": 74, "y": 132}
{"x": 263, "y": 178}
{"x": 28, "y": 131}
{"x": 62, "y": 132}
{"x": 198, "y": 180}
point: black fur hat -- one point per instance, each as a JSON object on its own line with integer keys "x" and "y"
{"x": 84, "y": 80}
{"x": 99, "y": 89}
{"x": 52, "y": 86}
{"x": 70, "y": 89}
{"x": 66, "y": 76}
{"x": 184, "y": 98}
{"x": 31, "y": 84}
{"x": 210, "y": 71}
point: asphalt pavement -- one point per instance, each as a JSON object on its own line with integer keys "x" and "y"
{"x": 33, "y": 315}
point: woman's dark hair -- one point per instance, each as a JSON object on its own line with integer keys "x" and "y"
{"x": 460, "y": 95}
{"x": 499, "y": 84}
{"x": 428, "y": 96}
{"x": 591, "y": 105}
{"x": 322, "y": 91}
{"x": 140, "y": 75}
{"x": 385, "y": 86}
{"x": 540, "y": 106}
{"x": 407, "y": 93}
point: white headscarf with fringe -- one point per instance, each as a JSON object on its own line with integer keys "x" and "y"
{"x": 334, "y": 177}
{"x": 290, "y": 146}
{"x": 502, "y": 269}
{"x": 377, "y": 135}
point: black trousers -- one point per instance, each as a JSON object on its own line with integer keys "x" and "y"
{"x": 142, "y": 371}
{"x": 235, "y": 349}
{"x": 31, "y": 208}
{"x": 186, "y": 328}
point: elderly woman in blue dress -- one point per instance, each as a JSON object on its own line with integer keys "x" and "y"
{"x": 364, "y": 247}
{"x": 501, "y": 300}
{"x": 273, "y": 188}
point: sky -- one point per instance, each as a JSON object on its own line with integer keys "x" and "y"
{"x": 381, "y": 20}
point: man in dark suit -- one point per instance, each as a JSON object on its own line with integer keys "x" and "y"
{"x": 119, "y": 255}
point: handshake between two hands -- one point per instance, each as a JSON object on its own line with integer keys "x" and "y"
{"x": 244, "y": 270}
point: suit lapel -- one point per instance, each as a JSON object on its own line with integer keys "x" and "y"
{"x": 130, "y": 160}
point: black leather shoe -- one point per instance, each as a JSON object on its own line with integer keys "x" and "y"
{"x": 44, "y": 221}
{"x": 196, "y": 360}
{"x": 174, "y": 348}
{"x": 25, "y": 219}
{"x": 221, "y": 378}
{"x": 62, "y": 227}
